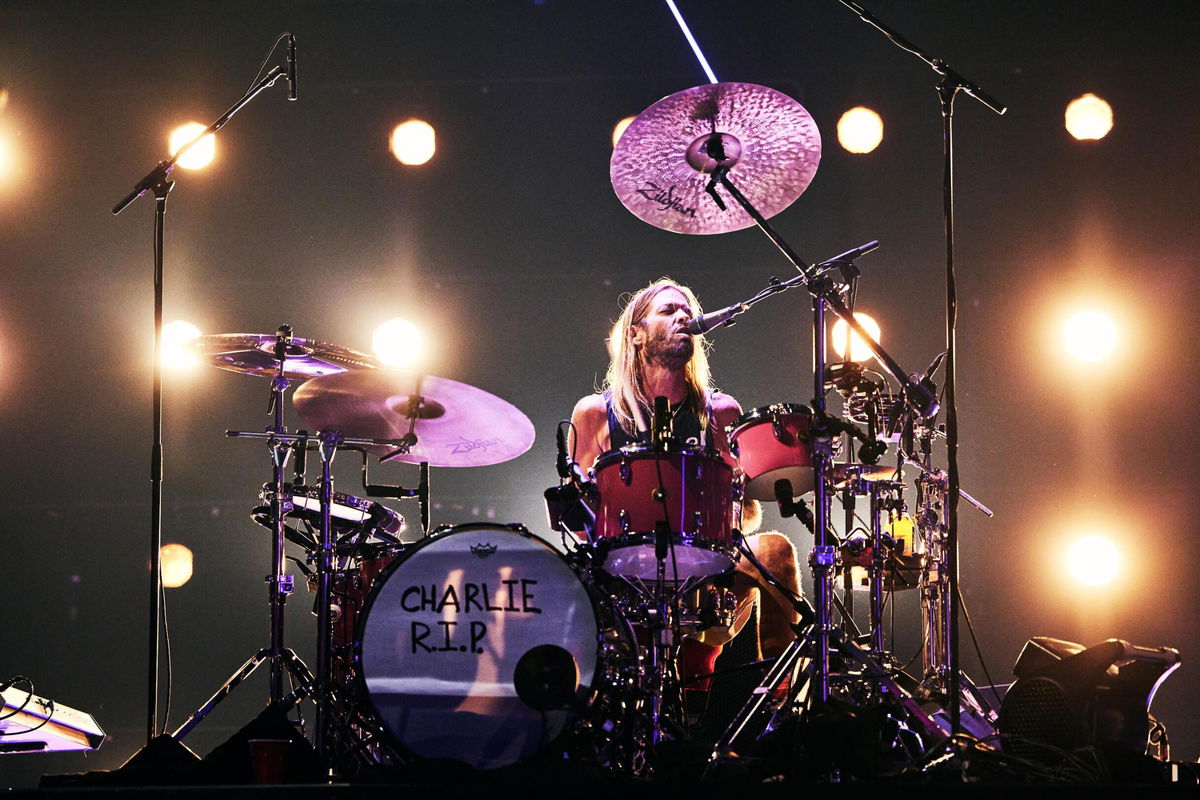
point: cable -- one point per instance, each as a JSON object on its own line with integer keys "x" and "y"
{"x": 266, "y": 60}
{"x": 971, "y": 629}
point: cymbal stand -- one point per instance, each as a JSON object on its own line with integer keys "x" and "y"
{"x": 797, "y": 663}
{"x": 319, "y": 686}
{"x": 280, "y": 583}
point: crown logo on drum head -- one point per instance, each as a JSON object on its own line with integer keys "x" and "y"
{"x": 483, "y": 550}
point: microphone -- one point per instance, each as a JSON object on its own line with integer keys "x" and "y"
{"x": 850, "y": 255}
{"x": 706, "y": 322}
{"x": 562, "y": 463}
{"x": 291, "y": 66}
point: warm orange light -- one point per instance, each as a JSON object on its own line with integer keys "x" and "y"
{"x": 1094, "y": 560}
{"x": 1090, "y": 336}
{"x": 860, "y": 130}
{"x": 413, "y": 142}
{"x": 845, "y": 340}
{"x": 176, "y": 351}
{"x": 175, "y": 561}
{"x": 1088, "y": 117}
{"x": 199, "y": 156}
{"x": 397, "y": 343}
{"x": 619, "y": 129}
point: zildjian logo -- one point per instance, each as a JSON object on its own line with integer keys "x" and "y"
{"x": 665, "y": 198}
{"x": 483, "y": 550}
{"x": 467, "y": 445}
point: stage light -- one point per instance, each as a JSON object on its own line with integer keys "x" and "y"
{"x": 860, "y": 130}
{"x": 175, "y": 562}
{"x": 199, "y": 156}
{"x": 397, "y": 343}
{"x": 1093, "y": 560}
{"x": 619, "y": 129}
{"x": 1090, "y": 336}
{"x": 1089, "y": 117}
{"x": 413, "y": 142}
{"x": 844, "y": 339}
{"x": 176, "y": 350}
{"x": 6, "y": 159}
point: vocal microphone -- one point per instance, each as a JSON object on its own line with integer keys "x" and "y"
{"x": 291, "y": 66}
{"x": 850, "y": 255}
{"x": 706, "y": 322}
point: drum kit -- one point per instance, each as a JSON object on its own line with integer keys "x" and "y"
{"x": 485, "y": 644}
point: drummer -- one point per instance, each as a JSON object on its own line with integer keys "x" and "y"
{"x": 653, "y": 355}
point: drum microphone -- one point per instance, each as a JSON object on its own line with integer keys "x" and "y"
{"x": 562, "y": 463}
{"x": 662, "y": 424}
{"x": 714, "y": 319}
{"x": 291, "y": 66}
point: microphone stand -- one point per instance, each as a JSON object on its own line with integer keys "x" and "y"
{"x": 920, "y": 395}
{"x": 158, "y": 181}
{"x": 949, "y": 84}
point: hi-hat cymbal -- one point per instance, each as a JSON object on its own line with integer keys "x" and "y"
{"x": 457, "y": 425}
{"x": 664, "y": 159}
{"x": 254, "y": 354}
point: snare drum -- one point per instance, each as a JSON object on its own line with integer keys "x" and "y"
{"x": 481, "y": 644}
{"x": 771, "y": 443}
{"x": 692, "y": 490}
{"x": 355, "y": 520}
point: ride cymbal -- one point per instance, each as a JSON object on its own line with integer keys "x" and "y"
{"x": 664, "y": 159}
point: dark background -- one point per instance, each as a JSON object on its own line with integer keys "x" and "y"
{"x": 510, "y": 251}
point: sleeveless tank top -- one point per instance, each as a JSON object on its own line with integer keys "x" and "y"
{"x": 685, "y": 428}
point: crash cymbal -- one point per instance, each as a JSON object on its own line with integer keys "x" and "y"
{"x": 662, "y": 163}
{"x": 457, "y": 425}
{"x": 254, "y": 354}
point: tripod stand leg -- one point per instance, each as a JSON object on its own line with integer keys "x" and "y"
{"x": 753, "y": 708}
{"x": 288, "y": 660}
{"x": 226, "y": 689}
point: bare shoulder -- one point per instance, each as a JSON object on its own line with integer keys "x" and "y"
{"x": 591, "y": 402}
{"x": 589, "y": 429}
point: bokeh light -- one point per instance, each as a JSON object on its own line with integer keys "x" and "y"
{"x": 619, "y": 129}
{"x": 175, "y": 561}
{"x": 1093, "y": 560}
{"x": 6, "y": 158}
{"x": 858, "y": 349}
{"x": 860, "y": 130}
{"x": 199, "y": 156}
{"x": 413, "y": 142}
{"x": 1089, "y": 336}
{"x": 397, "y": 343}
{"x": 1089, "y": 117}
{"x": 177, "y": 353}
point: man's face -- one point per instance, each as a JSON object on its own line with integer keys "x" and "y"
{"x": 661, "y": 334}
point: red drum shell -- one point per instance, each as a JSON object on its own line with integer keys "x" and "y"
{"x": 699, "y": 500}
{"x": 771, "y": 443}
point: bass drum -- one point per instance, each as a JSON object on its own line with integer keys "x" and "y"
{"x": 483, "y": 645}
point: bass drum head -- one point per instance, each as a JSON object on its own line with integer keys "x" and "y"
{"x": 445, "y": 629}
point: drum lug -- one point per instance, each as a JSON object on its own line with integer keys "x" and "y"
{"x": 698, "y": 521}
{"x": 626, "y": 472}
{"x": 624, "y": 521}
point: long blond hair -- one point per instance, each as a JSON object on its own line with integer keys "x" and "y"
{"x": 623, "y": 379}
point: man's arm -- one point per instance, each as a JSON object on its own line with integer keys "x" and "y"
{"x": 589, "y": 431}
{"x": 726, "y": 411}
